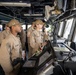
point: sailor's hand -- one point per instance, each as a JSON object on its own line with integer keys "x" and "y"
{"x": 43, "y": 44}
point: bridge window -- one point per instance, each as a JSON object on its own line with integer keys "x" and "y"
{"x": 74, "y": 39}
{"x": 68, "y": 28}
{"x": 24, "y": 27}
{"x": 1, "y": 27}
{"x": 61, "y": 28}
{"x": 29, "y": 26}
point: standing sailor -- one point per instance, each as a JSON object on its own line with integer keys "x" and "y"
{"x": 37, "y": 37}
{"x": 11, "y": 49}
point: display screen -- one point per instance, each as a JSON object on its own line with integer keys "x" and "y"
{"x": 29, "y": 63}
{"x": 44, "y": 57}
{"x": 49, "y": 52}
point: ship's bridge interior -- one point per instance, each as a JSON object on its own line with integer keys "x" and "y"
{"x": 58, "y": 56}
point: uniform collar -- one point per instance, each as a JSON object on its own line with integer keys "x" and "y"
{"x": 14, "y": 35}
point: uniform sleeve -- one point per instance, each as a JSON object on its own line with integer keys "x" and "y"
{"x": 5, "y": 57}
{"x": 46, "y": 37}
{"x": 23, "y": 39}
{"x": 1, "y": 37}
{"x": 28, "y": 32}
{"x": 33, "y": 42}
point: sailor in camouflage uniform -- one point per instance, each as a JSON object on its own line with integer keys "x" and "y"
{"x": 37, "y": 39}
{"x": 11, "y": 49}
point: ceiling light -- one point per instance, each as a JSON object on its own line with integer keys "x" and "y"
{"x": 15, "y": 4}
{"x": 33, "y": 14}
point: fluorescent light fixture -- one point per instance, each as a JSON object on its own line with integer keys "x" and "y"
{"x": 15, "y": 4}
{"x": 33, "y": 14}
{"x": 39, "y": 18}
{"x": 27, "y": 15}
